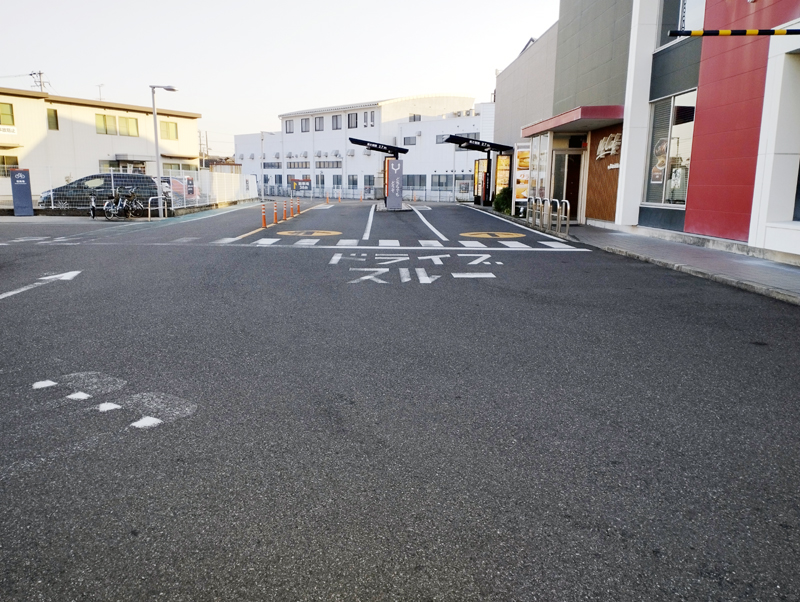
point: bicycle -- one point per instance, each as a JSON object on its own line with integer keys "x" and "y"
{"x": 125, "y": 204}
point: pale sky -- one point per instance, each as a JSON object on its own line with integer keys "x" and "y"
{"x": 241, "y": 63}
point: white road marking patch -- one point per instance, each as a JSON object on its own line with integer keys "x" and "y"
{"x": 373, "y": 277}
{"x": 388, "y": 243}
{"x": 266, "y": 241}
{"x": 107, "y": 407}
{"x": 223, "y": 241}
{"x": 93, "y": 383}
{"x": 79, "y": 396}
{"x": 513, "y": 244}
{"x": 474, "y": 244}
{"x": 368, "y": 229}
{"x": 168, "y": 407}
{"x": 424, "y": 278}
{"x": 473, "y": 275}
{"x": 186, "y": 239}
{"x": 347, "y": 242}
{"x": 306, "y": 242}
{"x": 405, "y": 275}
{"x": 436, "y": 259}
{"x": 430, "y": 243}
{"x": 555, "y": 245}
{"x": 430, "y": 226}
{"x": 323, "y": 207}
{"x": 43, "y": 384}
{"x": 146, "y": 422}
{"x": 480, "y": 258}
{"x": 30, "y": 238}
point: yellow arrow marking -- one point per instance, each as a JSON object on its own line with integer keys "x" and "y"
{"x": 492, "y": 235}
{"x": 309, "y": 233}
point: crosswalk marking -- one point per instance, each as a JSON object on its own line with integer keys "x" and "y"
{"x": 223, "y": 241}
{"x": 473, "y": 275}
{"x": 473, "y": 244}
{"x": 262, "y": 242}
{"x": 347, "y": 242}
{"x": 430, "y": 243}
{"x": 388, "y": 243}
{"x": 556, "y": 245}
{"x": 513, "y": 244}
{"x": 306, "y": 242}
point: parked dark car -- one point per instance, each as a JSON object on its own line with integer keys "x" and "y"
{"x": 76, "y": 194}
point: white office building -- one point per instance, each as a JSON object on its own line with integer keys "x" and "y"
{"x": 315, "y": 145}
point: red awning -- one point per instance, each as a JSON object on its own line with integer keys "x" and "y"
{"x": 581, "y": 119}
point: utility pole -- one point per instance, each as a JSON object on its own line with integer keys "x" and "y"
{"x": 38, "y": 80}
{"x": 100, "y": 91}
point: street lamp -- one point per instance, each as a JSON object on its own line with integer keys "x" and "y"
{"x": 158, "y": 155}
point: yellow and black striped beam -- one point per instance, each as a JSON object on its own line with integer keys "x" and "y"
{"x": 680, "y": 33}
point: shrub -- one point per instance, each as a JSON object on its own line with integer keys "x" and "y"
{"x": 502, "y": 201}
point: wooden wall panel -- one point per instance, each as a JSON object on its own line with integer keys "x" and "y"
{"x": 601, "y": 185}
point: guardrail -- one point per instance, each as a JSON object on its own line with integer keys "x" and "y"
{"x": 549, "y": 215}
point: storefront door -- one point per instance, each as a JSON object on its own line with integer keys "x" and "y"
{"x": 567, "y": 179}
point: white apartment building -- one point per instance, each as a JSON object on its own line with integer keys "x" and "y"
{"x": 315, "y": 145}
{"x": 61, "y": 139}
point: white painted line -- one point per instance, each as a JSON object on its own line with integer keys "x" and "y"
{"x": 369, "y": 223}
{"x": 436, "y": 259}
{"x": 224, "y": 241}
{"x": 347, "y": 242}
{"x": 146, "y": 422}
{"x": 555, "y": 245}
{"x": 430, "y": 243}
{"x": 107, "y": 407}
{"x": 79, "y": 396}
{"x": 30, "y": 238}
{"x": 424, "y": 278}
{"x": 405, "y": 275}
{"x": 513, "y": 223}
{"x": 337, "y": 257}
{"x": 323, "y": 207}
{"x": 513, "y": 244}
{"x": 44, "y": 280}
{"x": 473, "y": 244}
{"x": 43, "y": 384}
{"x": 427, "y": 223}
{"x": 480, "y": 258}
{"x": 306, "y": 242}
{"x": 374, "y": 276}
{"x": 186, "y": 239}
{"x": 262, "y": 242}
{"x": 473, "y": 275}
{"x": 388, "y": 243}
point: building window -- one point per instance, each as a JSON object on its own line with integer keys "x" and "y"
{"x": 298, "y": 164}
{"x": 171, "y": 167}
{"x": 672, "y": 128}
{"x": 365, "y": 119}
{"x": 409, "y": 140}
{"x": 289, "y": 178}
{"x": 328, "y": 164}
{"x": 272, "y": 165}
{"x": 169, "y": 130}
{"x": 52, "y": 119}
{"x": 106, "y": 124}
{"x": 415, "y": 117}
{"x": 471, "y": 136}
{"x": 278, "y": 180}
{"x": 336, "y": 122}
{"x": 440, "y": 138}
{"x": 372, "y": 119}
{"x": 305, "y": 124}
{"x": 369, "y": 181}
{"x": 337, "y": 181}
{"x": 352, "y": 120}
{"x": 320, "y": 180}
{"x": 680, "y": 14}
{"x": 415, "y": 182}
{"x": 129, "y": 126}
{"x": 319, "y": 124}
{"x": 289, "y": 126}
{"x": 7, "y": 163}
{"x": 352, "y": 181}
{"x": 6, "y": 114}
{"x": 441, "y": 182}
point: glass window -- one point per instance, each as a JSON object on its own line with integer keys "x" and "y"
{"x": 105, "y": 124}
{"x": 171, "y": 166}
{"x": 6, "y": 114}
{"x": 372, "y": 119}
{"x": 319, "y": 124}
{"x": 544, "y": 155}
{"x": 415, "y": 181}
{"x": 533, "y": 185}
{"x": 336, "y": 122}
{"x": 278, "y": 179}
{"x": 680, "y": 14}
{"x": 671, "y": 136}
{"x": 7, "y": 162}
{"x": 305, "y": 124}
{"x": 52, "y": 119}
{"x": 320, "y": 180}
{"x": 129, "y": 126}
{"x": 409, "y": 140}
{"x": 352, "y": 181}
{"x": 337, "y": 181}
{"x": 369, "y": 181}
{"x": 289, "y": 126}
{"x": 441, "y": 182}
{"x": 352, "y": 120}
{"x": 414, "y": 117}
{"x": 169, "y": 130}
{"x": 365, "y": 119}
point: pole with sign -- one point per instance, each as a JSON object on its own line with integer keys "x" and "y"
{"x": 394, "y": 198}
{"x": 21, "y": 192}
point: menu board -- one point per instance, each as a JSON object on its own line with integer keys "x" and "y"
{"x": 502, "y": 174}
{"x": 522, "y": 167}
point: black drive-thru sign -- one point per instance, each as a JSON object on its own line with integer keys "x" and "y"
{"x": 301, "y": 184}
{"x": 21, "y": 191}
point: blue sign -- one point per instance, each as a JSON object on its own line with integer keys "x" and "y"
{"x": 21, "y": 191}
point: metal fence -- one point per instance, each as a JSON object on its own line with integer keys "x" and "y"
{"x": 204, "y": 187}
{"x": 368, "y": 193}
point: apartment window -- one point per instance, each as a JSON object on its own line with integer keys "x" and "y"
{"x": 171, "y": 167}
{"x": 129, "y": 126}
{"x": 672, "y": 129}
{"x": 336, "y": 122}
{"x": 109, "y": 166}
{"x": 289, "y": 126}
{"x": 680, "y": 14}
{"x": 415, "y": 117}
{"x": 409, "y": 140}
{"x": 320, "y": 180}
{"x": 319, "y": 124}
{"x": 6, "y": 114}
{"x": 305, "y": 176}
{"x": 415, "y": 182}
{"x": 441, "y": 182}
{"x": 6, "y": 163}
{"x": 328, "y": 164}
{"x": 369, "y": 181}
{"x": 52, "y": 119}
{"x": 365, "y": 119}
{"x": 106, "y": 124}
{"x": 352, "y": 181}
{"x": 289, "y": 178}
{"x": 352, "y": 120}
{"x": 169, "y": 130}
{"x": 298, "y": 164}
{"x": 337, "y": 181}
{"x": 272, "y": 165}
{"x": 278, "y": 180}
{"x": 305, "y": 124}
{"x": 372, "y": 119}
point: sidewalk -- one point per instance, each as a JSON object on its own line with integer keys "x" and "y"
{"x": 772, "y": 279}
